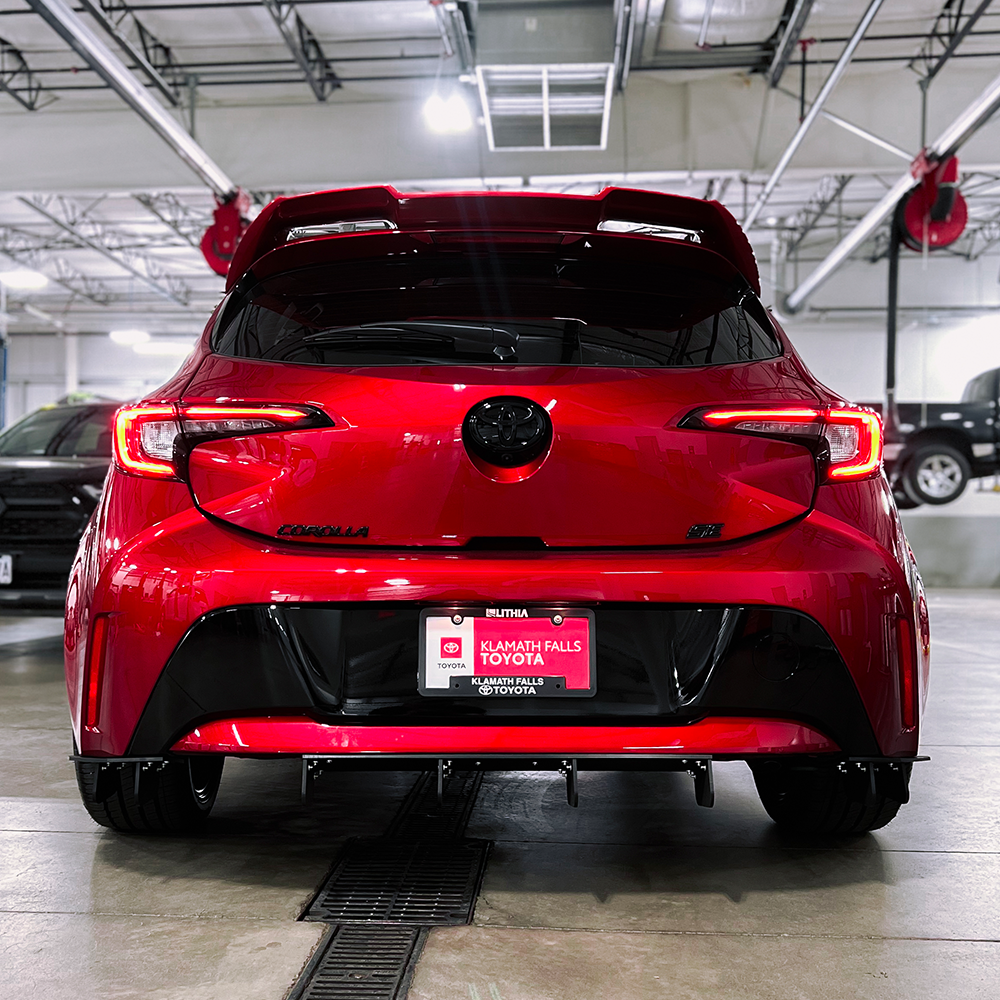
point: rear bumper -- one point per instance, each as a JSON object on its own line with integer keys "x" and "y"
{"x": 714, "y": 737}
{"x": 158, "y": 588}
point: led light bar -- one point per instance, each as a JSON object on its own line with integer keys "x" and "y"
{"x": 146, "y": 435}
{"x": 853, "y": 436}
{"x": 650, "y": 229}
{"x": 341, "y": 228}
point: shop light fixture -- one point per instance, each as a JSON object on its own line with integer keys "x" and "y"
{"x": 129, "y": 338}
{"x": 447, "y": 115}
{"x": 165, "y": 348}
{"x": 23, "y": 279}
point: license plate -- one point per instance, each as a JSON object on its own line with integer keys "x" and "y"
{"x": 6, "y": 570}
{"x": 507, "y": 653}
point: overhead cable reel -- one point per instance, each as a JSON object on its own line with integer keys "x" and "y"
{"x": 935, "y": 214}
{"x": 218, "y": 245}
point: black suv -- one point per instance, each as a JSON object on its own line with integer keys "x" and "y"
{"x": 52, "y": 468}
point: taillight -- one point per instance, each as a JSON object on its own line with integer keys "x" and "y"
{"x": 853, "y": 436}
{"x": 147, "y": 436}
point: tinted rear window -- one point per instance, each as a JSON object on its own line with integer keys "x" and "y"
{"x": 34, "y": 433}
{"x": 512, "y": 309}
{"x": 89, "y": 437}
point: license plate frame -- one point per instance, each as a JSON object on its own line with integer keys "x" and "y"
{"x": 452, "y": 675}
{"x": 6, "y": 569}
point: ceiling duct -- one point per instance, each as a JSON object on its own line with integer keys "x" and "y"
{"x": 545, "y": 72}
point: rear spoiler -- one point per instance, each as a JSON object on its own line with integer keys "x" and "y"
{"x": 621, "y": 210}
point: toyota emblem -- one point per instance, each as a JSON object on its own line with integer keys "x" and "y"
{"x": 508, "y": 431}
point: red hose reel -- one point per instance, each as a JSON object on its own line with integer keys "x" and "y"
{"x": 935, "y": 214}
{"x": 218, "y": 245}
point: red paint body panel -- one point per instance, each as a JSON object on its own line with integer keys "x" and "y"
{"x": 619, "y": 473}
{"x": 495, "y": 212}
{"x": 304, "y": 736}
{"x": 395, "y": 462}
{"x": 169, "y": 575}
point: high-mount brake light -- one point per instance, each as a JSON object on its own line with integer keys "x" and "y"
{"x": 342, "y": 228}
{"x": 853, "y": 436}
{"x": 146, "y": 434}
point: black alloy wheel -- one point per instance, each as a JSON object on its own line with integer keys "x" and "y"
{"x": 936, "y": 474}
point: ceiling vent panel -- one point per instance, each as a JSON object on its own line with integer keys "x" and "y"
{"x": 545, "y": 73}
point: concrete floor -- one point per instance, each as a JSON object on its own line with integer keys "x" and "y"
{"x": 637, "y": 894}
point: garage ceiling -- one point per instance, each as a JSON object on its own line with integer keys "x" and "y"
{"x": 704, "y": 98}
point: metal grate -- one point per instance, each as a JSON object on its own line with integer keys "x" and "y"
{"x": 362, "y": 963}
{"x": 399, "y": 882}
{"x": 423, "y": 817}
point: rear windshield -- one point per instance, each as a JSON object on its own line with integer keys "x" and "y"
{"x": 518, "y": 310}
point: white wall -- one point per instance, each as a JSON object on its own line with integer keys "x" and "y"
{"x": 37, "y": 371}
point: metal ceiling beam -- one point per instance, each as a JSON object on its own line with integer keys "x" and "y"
{"x": 16, "y": 77}
{"x": 455, "y": 35}
{"x": 305, "y": 48}
{"x": 813, "y": 113}
{"x": 27, "y": 249}
{"x": 806, "y": 218}
{"x": 139, "y": 58}
{"x": 947, "y": 144}
{"x": 113, "y": 245}
{"x": 957, "y": 38}
{"x": 68, "y": 25}
{"x": 172, "y": 212}
{"x": 789, "y": 39}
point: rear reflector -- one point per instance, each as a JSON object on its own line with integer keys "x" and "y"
{"x": 907, "y": 673}
{"x": 853, "y": 436}
{"x": 94, "y": 672}
{"x": 147, "y": 434}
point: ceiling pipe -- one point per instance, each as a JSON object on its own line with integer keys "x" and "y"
{"x": 831, "y": 81}
{"x": 68, "y": 25}
{"x": 947, "y": 144}
{"x": 702, "y": 42}
{"x": 152, "y": 74}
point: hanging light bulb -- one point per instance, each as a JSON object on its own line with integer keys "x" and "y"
{"x": 447, "y": 115}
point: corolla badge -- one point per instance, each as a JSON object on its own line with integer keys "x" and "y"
{"x": 508, "y": 431}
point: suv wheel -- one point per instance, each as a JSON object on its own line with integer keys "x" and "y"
{"x": 936, "y": 474}
{"x": 825, "y": 799}
{"x": 174, "y": 797}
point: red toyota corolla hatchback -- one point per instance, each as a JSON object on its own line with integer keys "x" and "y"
{"x": 496, "y": 481}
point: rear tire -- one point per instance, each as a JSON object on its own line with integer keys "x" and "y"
{"x": 818, "y": 800}
{"x": 903, "y": 500}
{"x": 175, "y": 797}
{"x": 936, "y": 474}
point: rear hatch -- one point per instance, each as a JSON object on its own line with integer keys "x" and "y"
{"x": 525, "y": 400}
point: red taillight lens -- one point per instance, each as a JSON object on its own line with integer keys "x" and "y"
{"x": 853, "y": 436}
{"x": 144, "y": 440}
{"x": 146, "y": 434}
{"x": 94, "y": 671}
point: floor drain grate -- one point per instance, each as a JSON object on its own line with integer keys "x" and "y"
{"x": 362, "y": 963}
{"x": 423, "y": 816}
{"x": 403, "y": 882}
{"x": 386, "y": 892}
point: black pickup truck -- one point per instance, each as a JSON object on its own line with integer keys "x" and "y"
{"x": 938, "y": 447}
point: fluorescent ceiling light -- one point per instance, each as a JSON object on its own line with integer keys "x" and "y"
{"x": 129, "y": 337}
{"x": 447, "y": 115}
{"x": 22, "y": 278}
{"x": 165, "y": 348}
